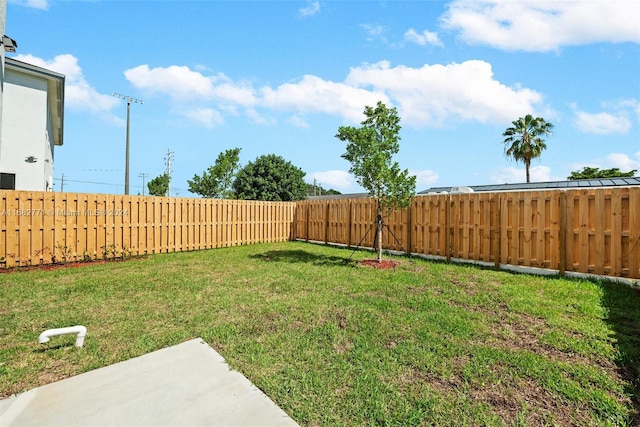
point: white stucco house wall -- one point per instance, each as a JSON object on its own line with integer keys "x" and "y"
{"x": 32, "y": 126}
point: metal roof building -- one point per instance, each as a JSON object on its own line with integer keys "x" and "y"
{"x": 551, "y": 185}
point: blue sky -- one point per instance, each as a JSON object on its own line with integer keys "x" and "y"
{"x": 281, "y": 77}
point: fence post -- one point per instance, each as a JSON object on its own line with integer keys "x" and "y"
{"x": 447, "y": 227}
{"x": 496, "y": 218}
{"x": 326, "y": 223}
{"x": 308, "y": 220}
{"x": 562, "y": 238}
{"x": 350, "y": 223}
{"x": 634, "y": 233}
{"x": 410, "y": 227}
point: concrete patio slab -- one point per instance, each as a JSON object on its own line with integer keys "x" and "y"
{"x": 189, "y": 384}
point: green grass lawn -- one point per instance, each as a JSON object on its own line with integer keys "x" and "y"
{"x": 334, "y": 343}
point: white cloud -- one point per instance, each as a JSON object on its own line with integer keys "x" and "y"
{"x": 183, "y": 84}
{"x": 424, "y": 177}
{"x": 315, "y": 95}
{"x": 34, "y": 4}
{"x": 511, "y": 175}
{"x": 424, "y": 39}
{"x": 616, "y": 119}
{"x": 205, "y": 117}
{"x": 434, "y": 94}
{"x": 312, "y": 8}
{"x": 179, "y": 82}
{"x": 632, "y": 104}
{"x": 79, "y": 94}
{"x": 601, "y": 123}
{"x": 235, "y": 93}
{"x": 622, "y": 162}
{"x": 541, "y": 174}
{"x": 537, "y": 26}
{"x": 339, "y": 180}
{"x": 375, "y": 32}
{"x": 298, "y": 122}
{"x": 259, "y": 118}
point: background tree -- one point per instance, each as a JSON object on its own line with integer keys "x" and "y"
{"x": 523, "y": 141}
{"x": 594, "y": 173}
{"x": 159, "y": 186}
{"x": 217, "y": 180}
{"x": 370, "y": 149}
{"x": 270, "y": 177}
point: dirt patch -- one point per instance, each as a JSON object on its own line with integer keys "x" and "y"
{"x": 49, "y": 267}
{"x": 384, "y": 264}
{"x": 343, "y": 346}
{"x": 524, "y": 398}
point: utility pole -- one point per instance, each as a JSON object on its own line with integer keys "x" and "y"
{"x": 143, "y": 176}
{"x": 62, "y": 184}
{"x": 126, "y": 167}
{"x": 167, "y": 161}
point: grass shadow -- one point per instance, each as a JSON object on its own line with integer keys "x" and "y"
{"x": 53, "y": 347}
{"x": 623, "y": 316}
{"x": 302, "y": 256}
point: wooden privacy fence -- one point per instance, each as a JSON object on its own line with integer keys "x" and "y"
{"x": 43, "y": 228}
{"x": 593, "y": 231}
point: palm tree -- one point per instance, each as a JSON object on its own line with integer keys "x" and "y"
{"x": 523, "y": 141}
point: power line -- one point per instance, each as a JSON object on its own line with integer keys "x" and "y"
{"x": 64, "y": 179}
{"x": 143, "y": 176}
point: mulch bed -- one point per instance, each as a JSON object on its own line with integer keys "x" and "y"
{"x": 57, "y": 266}
{"x": 385, "y": 264}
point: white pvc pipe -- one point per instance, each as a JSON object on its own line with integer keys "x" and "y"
{"x": 80, "y": 330}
